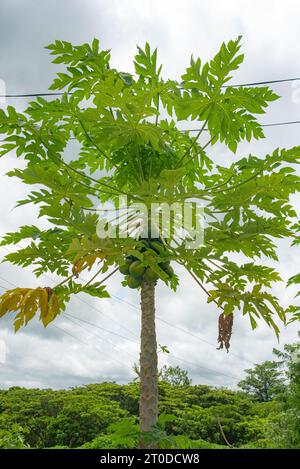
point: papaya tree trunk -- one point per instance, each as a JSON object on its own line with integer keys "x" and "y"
{"x": 148, "y": 360}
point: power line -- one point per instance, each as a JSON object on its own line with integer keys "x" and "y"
{"x": 69, "y": 318}
{"x": 173, "y": 326}
{"x": 179, "y": 359}
{"x": 69, "y": 333}
{"x": 77, "y": 338}
{"x": 83, "y": 320}
{"x": 273, "y": 124}
{"x": 186, "y": 332}
{"x": 106, "y": 315}
{"x": 79, "y": 299}
{"x": 101, "y": 328}
{"x": 135, "y": 307}
{"x": 133, "y": 341}
{"x": 60, "y": 93}
{"x": 31, "y": 95}
{"x": 86, "y": 343}
{"x": 194, "y": 364}
{"x": 92, "y": 307}
{"x": 124, "y": 301}
{"x": 126, "y": 338}
{"x": 10, "y": 283}
{"x": 171, "y": 355}
{"x": 269, "y": 82}
{"x": 183, "y": 330}
{"x": 204, "y": 368}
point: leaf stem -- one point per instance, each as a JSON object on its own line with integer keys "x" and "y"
{"x": 92, "y": 141}
{"x": 93, "y": 278}
{"x": 194, "y": 140}
{"x": 64, "y": 281}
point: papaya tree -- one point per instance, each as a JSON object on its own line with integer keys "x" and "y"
{"x": 108, "y": 134}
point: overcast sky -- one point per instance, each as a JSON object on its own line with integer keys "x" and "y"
{"x": 73, "y": 352}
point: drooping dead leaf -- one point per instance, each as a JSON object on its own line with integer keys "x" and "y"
{"x": 225, "y": 330}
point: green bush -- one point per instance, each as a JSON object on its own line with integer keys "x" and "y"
{"x": 104, "y": 416}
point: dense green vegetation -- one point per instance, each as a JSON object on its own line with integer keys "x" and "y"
{"x": 104, "y": 415}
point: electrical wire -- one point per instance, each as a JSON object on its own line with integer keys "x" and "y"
{"x": 77, "y": 338}
{"x": 204, "y": 368}
{"x": 106, "y": 315}
{"x": 101, "y": 328}
{"x": 83, "y": 320}
{"x": 272, "y": 124}
{"x": 97, "y": 326}
{"x": 60, "y": 93}
{"x": 82, "y": 341}
{"x": 81, "y": 300}
{"x": 135, "y": 307}
{"x": 98, "y": 337}
{"x": 257, "y": 83}
{"x": 196, "y": 336}
{"x": 127, "y": 338}
{"x": 86, "y": 343}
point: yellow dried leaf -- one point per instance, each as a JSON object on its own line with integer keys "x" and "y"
{"x": 44, "y": 298}
{"x": 53, "y": 310}
{"x": 26, "y": 302}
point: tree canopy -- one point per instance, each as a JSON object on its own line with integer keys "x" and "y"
{"x": 124, "y": 134}
{"x": 264, "y": 381}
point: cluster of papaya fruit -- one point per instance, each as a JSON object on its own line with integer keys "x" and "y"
{"x": 134, "y": 270}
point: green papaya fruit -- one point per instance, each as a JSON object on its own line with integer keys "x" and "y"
{"x": 136, "y": 269}
{"x": 150, "y": 275}
{"x": 133, "y": 282}
{"x": 124, "y": 268}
